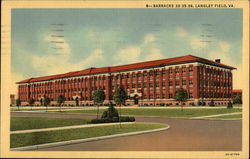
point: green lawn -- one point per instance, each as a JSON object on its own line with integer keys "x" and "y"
{"x": 27, "y": 139}
{"x": 163, "y": 112}
{"x": 24, "y": 123}
{"x": 236, "y": 116}
{"x": 33, "y": 109}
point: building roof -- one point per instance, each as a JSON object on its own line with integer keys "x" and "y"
{"x": 237, "y": 91}
{"x": 140, "y": 65}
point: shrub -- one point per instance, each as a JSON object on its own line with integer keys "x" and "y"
{"x": 162, "y": 104}
{"x": 211, "y": 104}
{"x": 112, "y": 120}
{"x": 111, "y": 112}
{"x": 203, "y": 103}
{"x": 229, "y": 105}
{"x": 199, "y": 103}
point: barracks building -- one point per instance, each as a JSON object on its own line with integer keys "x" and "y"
{"x": 150, "y": 83}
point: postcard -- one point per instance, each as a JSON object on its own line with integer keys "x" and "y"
{"x": 125, "y": 79}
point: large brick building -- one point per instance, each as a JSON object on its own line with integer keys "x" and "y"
{"x": 147, "y": 83}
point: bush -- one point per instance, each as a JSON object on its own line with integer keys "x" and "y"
{"x": 211, "y": 104}
{"x": 162, "y": 104}
{"x": 192, "y": 104}
{"x": 229, "y": 105}
{"x": 112, "y": 120}
{"x": 111, "y": 112}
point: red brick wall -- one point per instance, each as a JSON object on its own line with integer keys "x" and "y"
{"x": 199, "y": 83}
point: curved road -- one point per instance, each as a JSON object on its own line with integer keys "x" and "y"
{"x": 183, "y": 135}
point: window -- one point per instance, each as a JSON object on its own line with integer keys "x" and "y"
{"x": 170, "y": 83}
{"x": 190, "y": 82}
{"x": 170, "y": 95}
{"x": 133, "y": 75}
{"x": 127, "y": 86}
{"x": 157, "y": 73}
{"x": 177, "y": 70}
{"x": 183, "y": 69}
{"x": 138, "y": 75}
{"x": 122, "y": 76}
{"x": 150, "y": 73}
{"x": 190, "y": 68}
{"x": 150, "y": 85}
{"x": 163, "y": 96}
{"x": 170, "y": 71}
{"x": 163, "y": 72}
{"x": 177, "y": 83}
{"x": 157, "y": 85}
{"x": 139, "y": 85}
{"x": 184, "y": 82}
{"x": 190, "y": 95}
{"x": 157, "y": 96}
{"x": 144, "y": 74}
{"x": 144, "y": 85}
{"x": 127, "y": 75}
{"x": 133, "y": 85}
{"x": 163, "y": 84}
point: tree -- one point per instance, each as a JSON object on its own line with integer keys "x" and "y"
{"x": 237, "y": 100}
{"x": 181, "y": 96}
{"x": 46, "y": 102}
{"x": 18, "y": 103}
{"x": 98, "y": 97}
{"x": 41, "y": 101}
{"x": 60, "y": 99}
{"x": 31, "y": 102}
{"x": 120, "y": 98}
{"x": 77, "y": 101}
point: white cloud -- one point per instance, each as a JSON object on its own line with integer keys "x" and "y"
{"x": 59, "y": 43}
{"x": 128, "y": 55}
{"x": 194, "y": 41}
{"x": 154, "y": 54}
{"x": 181, "y": 32}
{"x": 149, "y": 38}
{"x": 53, "y": 64}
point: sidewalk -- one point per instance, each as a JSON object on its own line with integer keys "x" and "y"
{"x": 66, "y": 127}
{"x": 208, "y": 116}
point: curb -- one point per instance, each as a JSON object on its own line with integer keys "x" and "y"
{"x": 217, "y": 115}
{"x": 62, "y": 143}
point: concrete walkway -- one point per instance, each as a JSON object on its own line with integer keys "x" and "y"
{"x": 66, "y": 127}
{"x": 217, "y": 115}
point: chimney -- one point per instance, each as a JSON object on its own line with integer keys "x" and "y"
{"x": 217, "y": 60}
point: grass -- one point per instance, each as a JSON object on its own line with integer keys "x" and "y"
{"x": 27, "y": 139}
{"x": 24, "y": 123}
{"x": 163, "y": 112}
{"x": 33, "y": 109}
{"x": 235, "y": 116}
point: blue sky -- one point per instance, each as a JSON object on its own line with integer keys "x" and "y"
{"x": 104, "y": 37}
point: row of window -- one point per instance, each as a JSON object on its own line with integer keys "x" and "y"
{"x": 214, "y": 83}
{"x": 177, "y": 83}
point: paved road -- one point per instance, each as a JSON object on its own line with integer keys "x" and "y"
{"x": 183, "y": 135}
